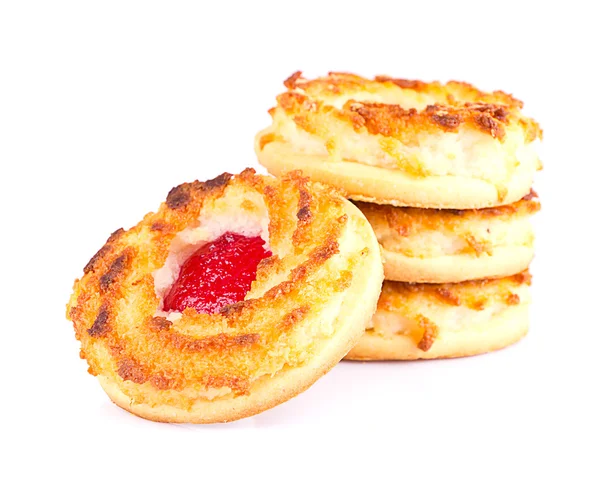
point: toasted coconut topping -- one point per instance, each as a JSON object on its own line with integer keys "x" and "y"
{"x": 338, "y": 83}
{"x": 393, "y": 107}
{"x": 425, "y": 312}
{"x": 428, "y": 232}
{"x": 180, "y": 357}
{"x": 422, "y": 129}
{"x": 430, "y": 333}
{"x": 475, "y": 295}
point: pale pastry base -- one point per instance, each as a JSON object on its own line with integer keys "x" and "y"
{"x": 386, "y": 186}
{"x": 357, "y": 308}
{"x": 505, "y": 261}
{"x": 503, "y": 330}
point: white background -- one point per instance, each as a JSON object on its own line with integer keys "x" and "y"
{"x": 104, "y": 106}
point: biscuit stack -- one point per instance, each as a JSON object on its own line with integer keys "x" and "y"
{"x": 443, "y": 173}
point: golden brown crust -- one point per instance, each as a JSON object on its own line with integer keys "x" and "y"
{"x": 430, "y": 333}
{"x": 157, "y": 362}
{"x": 389, "y": 120}
{"x": 449, "y": 106}
{"x": 337, "y": 83}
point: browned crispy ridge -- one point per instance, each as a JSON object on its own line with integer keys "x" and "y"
{"x": 452, "y": 104}
{"x": 113, "y": 305}
{"x": 340, "y": 82}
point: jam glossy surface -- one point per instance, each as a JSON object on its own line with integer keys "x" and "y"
{"x": 218, "y": 274}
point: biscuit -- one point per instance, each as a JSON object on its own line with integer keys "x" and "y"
{"x": 430, "y": 321}
{"x": 403, "y": 142}
{"x": 307, "y": 307}
{"x": 432, "y": 245}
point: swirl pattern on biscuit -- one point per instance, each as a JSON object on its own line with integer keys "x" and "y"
{"x": 294, "y": 324}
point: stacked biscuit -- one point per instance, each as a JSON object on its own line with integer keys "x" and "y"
{"x": 443, "y": 172}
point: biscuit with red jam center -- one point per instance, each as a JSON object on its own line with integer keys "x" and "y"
{"x": 236, "y": 295}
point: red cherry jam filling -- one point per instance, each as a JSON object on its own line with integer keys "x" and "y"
{"x": 218, "y": 274}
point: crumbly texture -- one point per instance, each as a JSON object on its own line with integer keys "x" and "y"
{"x": 309, "y": 304}
{"x": 449, "y": 245}
{"x": 426, "y": 321}
{"x": 415, "y": 143}
{"x": 508, "y": 328}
